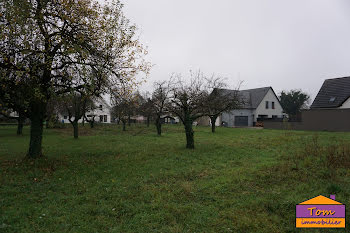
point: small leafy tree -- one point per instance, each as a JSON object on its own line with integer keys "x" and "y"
{"x": 294, "y": 101}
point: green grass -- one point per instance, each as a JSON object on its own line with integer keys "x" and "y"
{"x": 236, "y": 180}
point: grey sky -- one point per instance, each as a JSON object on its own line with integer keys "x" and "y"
{"x": 278, "y": 43}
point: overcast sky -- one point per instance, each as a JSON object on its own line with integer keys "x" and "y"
{"x": 285, "y": 44}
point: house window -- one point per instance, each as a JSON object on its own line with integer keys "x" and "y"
{"x": 274, "y": 116}
{"x": 332, "y": 99}
{"x": 65, "y": 117}
{"x": 105, "y": 118}
{"x": 273, "y": 105}
{"x": 267, "y": 104}
{"x": 101, "y": 118}
{"x": 101, "y": 107}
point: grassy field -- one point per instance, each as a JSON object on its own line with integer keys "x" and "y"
{"x": 236, "y": 180}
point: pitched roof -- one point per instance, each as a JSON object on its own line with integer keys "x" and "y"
{"x": 251, "y": 97}
{"x": 101, "y": 100}
{"x": 333, "y": 93}
{"x": 257, "y": 95}
{"x": 320, "y": 200}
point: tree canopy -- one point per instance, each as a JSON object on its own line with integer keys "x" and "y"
{"x": 60, "y": 46}
{"x": 219, "y": 100}
{"x": 293, "y": 101}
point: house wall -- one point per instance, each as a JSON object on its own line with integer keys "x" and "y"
{"x": 218, "y": 121}
{"x": 261, "y": 109}
{"x": 177, "y": 119}
{"x": 14, "y": 114}
{"x": 205, "y": 121}
{"x": 105, "y": 111}
{"x": 317, "y": 120}
{"x": 139, "y": 118}
{"x": 97, "y": 117}
{"x": 97, "y": 112}
{"x": 229, "y": 117}
{"x": 346, "y": 104}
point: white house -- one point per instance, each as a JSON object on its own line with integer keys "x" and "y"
{"x": 259, "y": 103}
{"x": 102, "y": 113}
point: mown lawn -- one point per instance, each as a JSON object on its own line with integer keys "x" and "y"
{"x": 236, "y": 180}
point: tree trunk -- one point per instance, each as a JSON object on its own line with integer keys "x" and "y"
{"x": 20, "y": 124}
{"x": 159, "y": 126}
{"x": 76, "y": 129}
{"x": 148, "y": 120}
{"x": 37, "y": 117}
{"x": 129, "y": 120}
{"x": 213, "y": 120}
{"x": 189, "y": 134}
{"x": 92, "y": 123}
{"x": 124, "y": 124}
{"x": 20, "y": 128}
{"x": 47, "y": 122}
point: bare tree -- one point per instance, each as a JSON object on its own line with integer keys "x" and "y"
{"x": 219, "y": 100}
{"x": 146, "y": 107}
{"x": 76, "y": 105}
{"x": 159, "y": 100}
{"x": 187, "y": 102}
{"x": 14, "y": 98}
{"x": 133, "y": 105}
{"x": 122, "y": 102}
{"x": 54, "y": 107}
{"x": 90, "y": 108}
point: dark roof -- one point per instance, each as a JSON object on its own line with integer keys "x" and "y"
{"x": 333, "y": 93}
{"x": 251, "y": 97}
{"x": 257, "y": 95}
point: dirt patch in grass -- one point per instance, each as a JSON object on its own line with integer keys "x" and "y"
{"x": 36, "y": 169}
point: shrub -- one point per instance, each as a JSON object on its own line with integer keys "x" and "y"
{"x": 321, "y": 159}
{"x": 338, "y": 156}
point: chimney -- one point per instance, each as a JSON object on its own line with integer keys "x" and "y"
{"x": 332, "y": 197}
